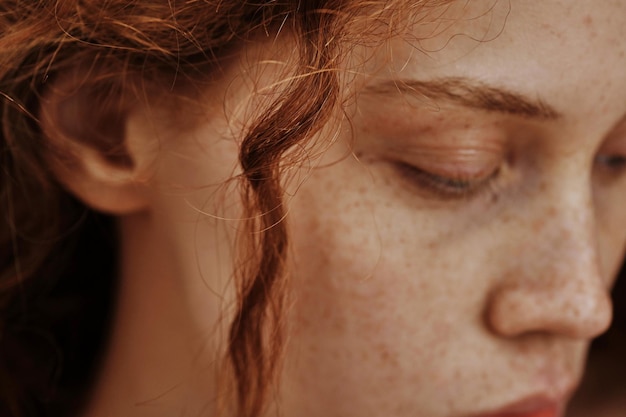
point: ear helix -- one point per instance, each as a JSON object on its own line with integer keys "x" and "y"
{"x": 85, "y": 125}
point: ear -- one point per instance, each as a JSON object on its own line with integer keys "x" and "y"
{"x": 90, "y": 150}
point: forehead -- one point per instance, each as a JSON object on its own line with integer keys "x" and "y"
{"x": 571, "y": 54}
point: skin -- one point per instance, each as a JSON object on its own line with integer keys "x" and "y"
{"x": 409, "y": 297}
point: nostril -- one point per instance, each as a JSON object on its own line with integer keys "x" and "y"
{"x": 506, "y": 312}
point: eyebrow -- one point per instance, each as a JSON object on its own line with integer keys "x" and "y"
{"x": 468, "y": 93}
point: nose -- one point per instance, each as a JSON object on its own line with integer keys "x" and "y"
{"x": 554, "y": 282}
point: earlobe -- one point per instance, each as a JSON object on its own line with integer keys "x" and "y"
{"x": 85, "y": 126}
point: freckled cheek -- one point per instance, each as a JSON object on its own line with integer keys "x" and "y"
{"x": 372, "y": 296}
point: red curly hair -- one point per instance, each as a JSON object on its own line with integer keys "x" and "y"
{"x": 49, "y": 241}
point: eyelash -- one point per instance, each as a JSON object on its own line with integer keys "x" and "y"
{"x": 448, "y": 188}
{"x": 460, "y": 188}
{"x": 612, "y": 162}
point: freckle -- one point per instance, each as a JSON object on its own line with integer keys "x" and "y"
{"x": 587, "y": 20}
{"x": 543, "y": 186}
{"x": 384, "y": 354}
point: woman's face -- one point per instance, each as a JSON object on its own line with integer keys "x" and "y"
{"x": 453, "y": 249}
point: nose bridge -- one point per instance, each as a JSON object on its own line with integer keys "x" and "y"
{"x": 566, "y": 232}
{"x": 556, "y": 285}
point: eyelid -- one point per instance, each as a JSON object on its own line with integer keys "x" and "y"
{"x": 454, "y": 162}
{"x": 446, "y": 187}
{"x": 612, "y": 154}
{"x": 450, "y": 163}
{"x": 611, "y": 160}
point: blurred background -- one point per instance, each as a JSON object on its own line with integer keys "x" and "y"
{"x": 603, "y": 392}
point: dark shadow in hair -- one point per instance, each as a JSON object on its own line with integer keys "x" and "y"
{"x": 51, "y": 348}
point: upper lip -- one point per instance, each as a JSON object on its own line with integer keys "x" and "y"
{"x": 537, "y": 405}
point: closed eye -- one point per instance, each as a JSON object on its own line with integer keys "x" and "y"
{"x": 445, "y": 187}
